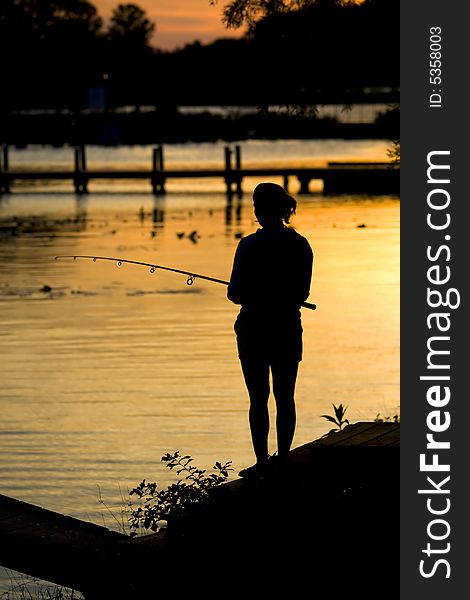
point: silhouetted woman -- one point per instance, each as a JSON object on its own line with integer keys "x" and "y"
{"x": 270, "y": 278}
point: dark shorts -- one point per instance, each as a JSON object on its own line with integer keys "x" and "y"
{"x": 270, "y": 340}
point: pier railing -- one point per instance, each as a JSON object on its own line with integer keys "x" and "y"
{"x": 337, "y": 177}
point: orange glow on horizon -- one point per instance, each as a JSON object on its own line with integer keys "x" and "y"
{"x": 179, "y": 23}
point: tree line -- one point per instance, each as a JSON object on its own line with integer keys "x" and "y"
{"x": 59, "y": 54}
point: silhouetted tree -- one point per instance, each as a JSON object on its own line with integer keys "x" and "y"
{"x": 49, "y": 45}
{"x": 325, "y": 49}
{"x": 249, "y": 12}
{"x": 130, "y": 24}
{"x": 40, "y": 20}
{"x": 297, "y": 52}
{"x": 130, "y": 56}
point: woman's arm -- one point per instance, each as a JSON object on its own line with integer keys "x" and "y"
{"x": 306, "y": 272}
{"x": 235, "y": 286}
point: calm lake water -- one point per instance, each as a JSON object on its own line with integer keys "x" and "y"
{"x": 104, "y": 369}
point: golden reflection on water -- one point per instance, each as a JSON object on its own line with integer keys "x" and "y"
{"x": 113, "y": 366}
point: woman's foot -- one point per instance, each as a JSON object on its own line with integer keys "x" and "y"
{"x": 255, "y": 470}
{"x": 267, "y": 466}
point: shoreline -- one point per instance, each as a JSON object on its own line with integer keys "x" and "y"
{"x": 170, "y": 126}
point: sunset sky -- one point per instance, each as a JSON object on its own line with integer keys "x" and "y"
{"x": 178, "y": 22}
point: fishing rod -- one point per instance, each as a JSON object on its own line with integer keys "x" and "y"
{"x": 191, "y": 276}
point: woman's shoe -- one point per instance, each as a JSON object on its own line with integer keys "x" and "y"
{"x": 256, "y": 470}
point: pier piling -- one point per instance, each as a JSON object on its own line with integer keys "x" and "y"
{"x": 304, "y": 181}
{"x": 158, "y": 166}
{"x": 238, "y": 168}
{"x": 80, "y": 178}
{"x": 228, "y": 170}
{"x": 4, "y": 168}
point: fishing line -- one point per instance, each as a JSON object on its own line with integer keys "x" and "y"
{"x": 191, "y": 277}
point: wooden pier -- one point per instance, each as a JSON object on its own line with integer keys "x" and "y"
{"x": 332, "y": 511}
{"x": 338, "y": 178}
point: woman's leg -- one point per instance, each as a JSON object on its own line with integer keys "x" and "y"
{"x": 256, "y": 374}
{"x": 284, "y": 378}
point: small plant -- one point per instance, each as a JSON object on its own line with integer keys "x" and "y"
{"x": 388, "y": 419}
{"x": 121, "y": 519}
{"x": 393, "y": 152}
{"x": 168, "y": 504}
{"x": 338, "y": 419}
{"x": 30, "y": 588}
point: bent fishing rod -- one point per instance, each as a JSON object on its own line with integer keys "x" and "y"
{"x": 191, "y": 276}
